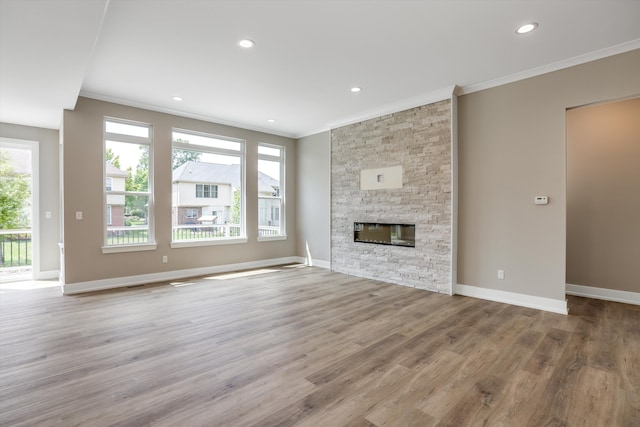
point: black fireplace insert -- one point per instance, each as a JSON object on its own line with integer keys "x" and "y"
{"x": 385, "y": 234}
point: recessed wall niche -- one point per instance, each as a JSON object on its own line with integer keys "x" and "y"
{"x": 418, "y": 142}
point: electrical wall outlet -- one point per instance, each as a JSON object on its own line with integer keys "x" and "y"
{"x": 501, "y": 274}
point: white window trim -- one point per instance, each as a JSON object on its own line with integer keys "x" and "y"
{"x": 207, "y": 242}
{"x": 272, "y": 238}
{"x": 129, "y": 248}
{"x": 151, "y": 244}
{"x": 283, "y": 216}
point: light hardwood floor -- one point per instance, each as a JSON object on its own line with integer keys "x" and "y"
{"x": 304, "y": 346}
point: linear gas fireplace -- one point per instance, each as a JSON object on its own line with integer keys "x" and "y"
{"x": 385, "y": 234}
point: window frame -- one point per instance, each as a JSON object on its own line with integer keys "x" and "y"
{"x": 190, "y": 211}
{"x": 241, "y": 154}
{"x": 281, "y": 190}
{"x": 151, "y": 243}
{"x": 207, "y": 191}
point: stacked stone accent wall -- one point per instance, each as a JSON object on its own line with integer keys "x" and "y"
{"x": 419, "y": 140}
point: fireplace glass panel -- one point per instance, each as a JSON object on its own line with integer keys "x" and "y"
{"x": 385, "y": 234}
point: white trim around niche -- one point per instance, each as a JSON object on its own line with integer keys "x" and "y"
{"x": 603, "y": 294}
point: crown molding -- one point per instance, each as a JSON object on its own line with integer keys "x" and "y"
{"x": 556, "y": 66}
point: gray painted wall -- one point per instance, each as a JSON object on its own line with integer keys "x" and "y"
{"x": 83, "y": 183}
{"x": 314, "y": 198}
{"x": 512, "y": 147}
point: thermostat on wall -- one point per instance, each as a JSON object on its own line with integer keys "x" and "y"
{"x": 542, "y": 200}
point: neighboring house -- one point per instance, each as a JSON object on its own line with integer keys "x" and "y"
{"x": 115, "y": 181}
{"x": 203, "y": 192}
{"x": 268, "y": 201}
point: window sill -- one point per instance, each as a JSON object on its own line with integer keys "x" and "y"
{"x": 195, "y": 243}
{"x": 129, "y": 248}
{"x": 272, "y": 238}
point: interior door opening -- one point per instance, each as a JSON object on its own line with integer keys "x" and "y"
{"x": 603, "y": 200}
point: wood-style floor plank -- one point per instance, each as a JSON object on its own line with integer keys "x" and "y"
{"x": 303, "y": 346}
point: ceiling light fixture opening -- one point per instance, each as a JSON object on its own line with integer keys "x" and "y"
{"x": 177, "y": 98}
{"x": 246, "y": 43}
{"x": 271, "y": 120}
{"x": 355, "y": 89}
{"x": 527, "y": 28}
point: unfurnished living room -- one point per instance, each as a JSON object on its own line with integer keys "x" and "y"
{"x": 317, "y": 212}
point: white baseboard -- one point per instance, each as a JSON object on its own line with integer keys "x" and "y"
{"x": 121, "y": 282}
{"x": 47, "y": 275}
{"x": 539, "y": 303}
{"x": 315, "y": 262}
{"x": 604, "y": 294}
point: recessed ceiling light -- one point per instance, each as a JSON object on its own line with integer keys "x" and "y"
{"x": 527, "y": 28}
{"x": 356, "y": 89}
{"x": 271, "y": 120}
{"x": 246, "y": 43}
{"x": 177, "y": 98}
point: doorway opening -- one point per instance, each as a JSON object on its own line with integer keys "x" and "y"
{"x": 603, "y": 200}
{"x": 18, "y": 210}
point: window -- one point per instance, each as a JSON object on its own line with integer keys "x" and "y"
{"x": 128, "y": 193}
{"x": 271, "y": 173}
{"x": 193, "y": 213}
{"x": 208, "y": 176}
{"x": 206, "y": 191}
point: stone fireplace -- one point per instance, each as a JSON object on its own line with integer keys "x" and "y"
{"x": 396, "y": 169}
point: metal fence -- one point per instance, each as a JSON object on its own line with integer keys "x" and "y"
{"x": 131, "y": 235}
{"x": 204, "y": 231}
{"x": 15, "y": 248}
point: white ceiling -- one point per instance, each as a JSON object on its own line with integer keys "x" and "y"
{"x": 308, "y": 54}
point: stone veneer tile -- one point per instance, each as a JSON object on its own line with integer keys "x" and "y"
{"x": 419, "y": 139}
